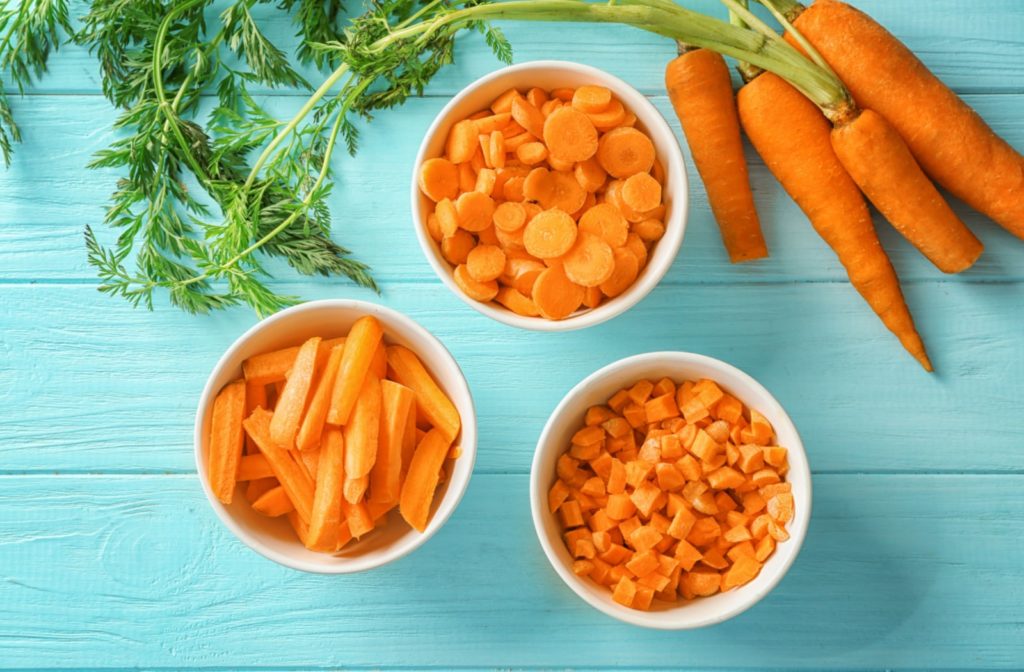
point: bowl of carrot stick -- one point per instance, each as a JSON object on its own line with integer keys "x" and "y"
{"x": 335, "y": 437}
{"x": 670, "y": 490}
{"x": 550, "y": 196}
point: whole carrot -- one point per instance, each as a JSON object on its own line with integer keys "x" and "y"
{"x": 700, "y": 89}
{"x": 793, "y": 138}
{"x": 950, "y": 140}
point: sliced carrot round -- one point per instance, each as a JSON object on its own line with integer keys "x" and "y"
{"x": 512, "y": 190}
{"x": 485, "y": 263}
{"x": 475, "y": 210}
{"x": 625, "y": 151}
{"x": 627, "y": 267}
{"x": 636, "y": 245}
{"x": 517, "y": 302}
{"x": 563, "y": 94}
{"x": 479, "y": 291}
{"x": 605, "y": 220}
{"x": 590, "y": 174}
{"x": 509, "y": 216}
{"x": 538, "y": 185}
{"x": 456, "y": 248}
{"x": 649, "y": 230}
{"x": 588, "y": 202}
{"x": 550, "y": 234}
{"x": 537, "y": 97}
{"x": 439, "y": 178}
{"x": 566, "y": 193}
{"x": 488, "y": 236}
{"x": 590, "y": 261}
{"x": 528, "y": 116}
{"x": 447, "y": 217}
{"x": 611, "y": 116}
{"x": 522, "y": 273}
{"x": 641, "y": 192}
{"x": 434, "y": 227}
{"x": 496, "y": 148}
{"x": 504, "y": 102}
{"x": 592, "y": 297}
{"x": 591, "y": 98}
{"x": 570, "y": 135}
{"x": 512, "y": 144}
{"x": 462, "y": 141}
{"x": 510, "y": 240}
{"x": 560, "y": 165}
{"x": 485, "y": 181}
{"x": 532, "y": 153}
{"x": 557, "y": 297}
{"x": 613, "y": 195}
{"x": 467, "y": 177}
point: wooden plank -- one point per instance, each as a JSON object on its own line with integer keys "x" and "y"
{"x": 47, "y": 197}
{"x": 88, "y": 384}
{"x": 972, "y": 50}
{"x": 896, "y": 571}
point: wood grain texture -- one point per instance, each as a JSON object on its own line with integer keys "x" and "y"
{"x": 896, "y": 571}
{"x": 85, "y": 372}
{"x": 48, "y": 197}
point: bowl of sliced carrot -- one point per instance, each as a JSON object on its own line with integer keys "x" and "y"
{"x": 670, "y": 490}
{"x": 550, "y": 196}
{"x": 335, "y": 436}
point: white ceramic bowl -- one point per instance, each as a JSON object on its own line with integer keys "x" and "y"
{"x": 549, "y": 75}
{"x": 596, "y": 389}
{"x": 273, "y": 537}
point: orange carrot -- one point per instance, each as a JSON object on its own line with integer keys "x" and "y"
{"x": 253, "y": 467}
{"x": 273, "y": 367}
{"x": 625, "y": 151}
{"x": 273, "y": 503}
{"x": 385, "y": 477}
{"x": 224, "y": 448}
{"x": 951, "y": 141}
{"x": 611, "y": 116}
{"x": 590, "y": 262}
{"x": 422, "y": 477}
{"x": 531, "y": 153}
{"x": 793, "y": 138}
{"x": 359, "y": 520}
{"x": 325, "y": 518}
{"x": 700, "y": 90}
{"x": 456, "y": 247}
{"x": 485, "y": 263}
{"x": 474, "y": 289}
{"x": 461, "y": 141}
{"x": 878, "y": 160}
{"x": 590, "y": 98}
{"x": 528, "y": 116}
{"x": 627, "y": 267}
{"x": 362, "y": 342}
{"x": 362, "y": 433}
{"x": 550, "y": 234}
{"x": 556, "y": 296}
{"x": 255, "y": 397}
{"x": 509, "y": 217}
{"x": 641, "y": 192}
{"x": 293, "y": 478}
{"x": 590, "y": 174}
{"x": 606, "y": 221}
{"x": 439, "y": 178}
{"x": 292, "y": 402}
{"x": 316, "y": 414}
{"x": 476, "y": 210}
{"x": 431, "y": 401}
{"x": 570, "y": 135}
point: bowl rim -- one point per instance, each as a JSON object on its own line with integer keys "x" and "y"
{"x": 446, "y": 507}
{"x": 666, "y": 251}
{"x": 654, "y": 619}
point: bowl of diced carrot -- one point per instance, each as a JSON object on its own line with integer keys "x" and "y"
{"x": 335, "y": 436}
{"x": 670, "y": 490}
{"x": 550, "y": 196}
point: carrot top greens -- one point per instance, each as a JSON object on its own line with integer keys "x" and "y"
{"x": 206, "y": 197}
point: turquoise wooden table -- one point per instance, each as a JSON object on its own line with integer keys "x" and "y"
{"x": 110, "y": 556}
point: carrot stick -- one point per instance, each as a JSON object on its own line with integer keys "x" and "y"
{"x": 253, "y": 467}
{"x": 700, "y": 90}
{"x": 273, "y": 367}
{"x": 255, "y": 397}
{"x": 325, "y": 518}
{"x": 293, "y": 478}
{"x": 793, "y": 138}
{"x": 951, "y": 141}
{"x": 313, "y": 421}
{"x": 359, "y": 520}
{"x": 409, "y": 439}
{"x": 361, "y": 437}
{"x": 431, "y": 401}
{"x": 421, "y": 480}
{"x": 292, "y": 402}
{"x": 878, "y": 160}
{"x": 257, "y": 488}
{"x": 224, "y": 449}
{"x": 385, "y": 477}
{"x": 360, "y": 347}
{"x": 273, "y": 503}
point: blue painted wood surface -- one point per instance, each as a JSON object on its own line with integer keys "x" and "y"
{"x": 110, "y": 557}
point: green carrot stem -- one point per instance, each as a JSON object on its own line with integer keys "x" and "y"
{"x": 746, "y": 70}
{"x": 791, "y": 9}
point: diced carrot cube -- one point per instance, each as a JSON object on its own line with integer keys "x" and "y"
{"x": 616, "y": 477}
{"x": 602, "y": 540}
{"x": 732, "y": 454}
{"x": 701, "y": 582}
{"x": 661, "y": 408}
{"x": 618, "y": 573}
{"x": 704, "y": 447}
{"x": 659, "y": 522}
{"x": 772, "y": 489}
{"x": 776, "y": 456}
{"x": 589, "y": 435}
{"x": 737, "y": 534}
{"x": 708, "y": 392}
{"x": 705, "y": 503}
{"x": 664, "y": 386}
{"x": 729, "y": 408}
{"x": 558, "y": 493}
{"x": 693, "y": 410}
{"x": 586, "y": 502}
{"x": 640, "y": 391}
{"x": 734, "y": 518}
{"x": 725, "y": 502}
{"x": 644, "y": 538}
{"x": 725, "y": 478}
{"x": 584, "y": 548}
{"x": 571, "y": 514}
{"x": 751, "y": 458}
{"x": 780, "y": 507}
{"x": 627, "y": 527}
{"x": 742, "y": 548}
{"x": 600, "y": 521}
{"x": 753, "y": 503}
{"x": 671, "y": 447}
{"x": 714, "y": 559}
{"x": 643, "y": 563}
{"x": 619, "y": 400}
{"x": 669, "y": 476}
{"x": 718, "y": 431}
{"x": 673, "y": 503}
{"x": 598, "y": 415}
{"x": 602, "y": 465}
{"x": 764, "y": 477}
{"x": 620, "y": 506}
{"x": 761, "y": 428}
{"x": 655, "y": 581}
{"x": 593, "y": 487}
{"x": 624, "y": 446}
{"x": 635, "y": 415}
{"x": 764, "y": 548}
{"x": 586, "y": 453}
{"x": 637, "y": 472}
{"x": 778, "y": 531}
{"x": 616, "y": 554}
{"x": 690, "y": 468}
{"x": 617, "y": 427}
{"x": 650, "y": 451}
{"x": 759, "y": 526}
{"x": 644, "y": 497}
{"x": 673, "y": 425}
{"x": 572, "y": 536}
{"x": 681, "y": 524}
{"x": 694, "y": 489}
{"x": 667, "y": 565}
{"x": 600, "y": 571}
{"x": 704, "y": 532}
{"x": 625, "y": 591}
{"x": 582, "y": 567}
{"x": 687, "y": 555}
{"x": 743, "y": 570}
{"x": 566, "y": 467}
{"x": 643, "y": 598}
